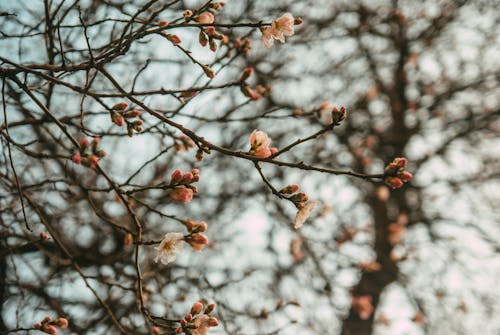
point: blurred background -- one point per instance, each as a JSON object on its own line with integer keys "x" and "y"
{"x": 419, "y": 79}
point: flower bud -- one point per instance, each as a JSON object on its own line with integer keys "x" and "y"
{"x": 117, "y": 119}
{"x": 406, "y": 176}
{"x": 84, "y": 144}
{"x": 197, "y": 308}
{"x": 208, "y": 72}
{"x": 213, "y": 45}
{"x": 178, "y": 330}
{"x": 246, "y": 73}
{"x": 37, "y": 325}
{"x": 394, "y": 182}
{"x": 163, "y": 23}
{"x": 44, "y": 236}
{"x": 209, "y": 308}
{"x": 213, "y": 322}
{"x": 217, "y": 5}
{"x": 206, "y": 18}
{"x": 173, "y": 38}
{"x": 61, "y": 322}
{"x": 188, "y": 317}
{"x": 339, "y": 115}
{"x": 50, "y": 330}
{"x": 187, "y": 14}
{"x": 298, "y": 20}
{"x": 199, "y": 155}
{"x": 187, "y": 178}
{"x": 290, "y": 189}
{"x": 176, "y": 176}
{"x": 77, "y": 158}
{"x": 101, "y": 153}
{"x": 202, "y": 39}
{"x": 155, "y": 330}
{"x": 120, "y": 106}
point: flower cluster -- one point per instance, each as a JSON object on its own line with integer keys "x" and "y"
{"x": 49, "y": 326}
{"x": 208, "y": 35}
{"x": 89, "y": 153}
{"x": 301, "y": 201}
{"x": 195, "y": 239}
{"x": 196, "y": 323}
{"x": 363, "y": 306}
{"x": 182, "y": 190}
{"x": 120, "y": 116}
{"x": 284, "y": 26}
{"x": 395, "y": 174}
{"x": 259, "y": 144}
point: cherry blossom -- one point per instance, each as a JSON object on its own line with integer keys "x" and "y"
{"x": 169, "y": 247}
{"x": 284, "y": 26}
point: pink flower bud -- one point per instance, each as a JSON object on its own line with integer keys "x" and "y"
{"x": 179, "y": 330}
{"x": 209, "y": 308}
{"x": 188, "y": 317}
{"x": 117, "y": 119}
{"x": 183, "y": 322}
{"x": 213, "y": 322}
{"x": 50, "y": 330}
{"x": 394, "y": 182}
{"x": 202, "y": 227}
{"x": 202, "y": 39}
{"x": 120, "y": 106}
{"x": 213, "y": 45}
{"x": 163, "y": 23}
{"x": 181, "y": 194}
{"x": 77, "y": 158}
{"x": 44, "y": 236}
{"x": 197, "y": 308}
{"x": 406, "y": 176}
{"x": 187, "y": 13}
{"x": 246, "y": 73}
{"x": 46, "y": 319}
{"x": 84, "y": 143}
{"x": 206, "y": 18}
{"x": 62, "y": 322}
{"x": 37, "y": 325}
{"x": 197, "y": 241}
{"x": 400, "y": 162}
{"x": 187, "y": 178}
{"x": 210, "y": 30}
{"x": 208, "y": 72}
{"x": 298, "y": 20}
{"x": 93, "y": 161}
{"x": 290, "y": 189}
{"x": 176, "y": 176}
{"x": 155, "y": 330}
{"x": 174, "y": 39}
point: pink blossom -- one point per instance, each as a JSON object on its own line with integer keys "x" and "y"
{"x": 303, "y": 214}
{"x": 50, "y": 330}
{"x": 259, "y": 144}
{"x": 169, "y": 247}
{"x": 284, "y": 26}
{"x": 181, "y": 194}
